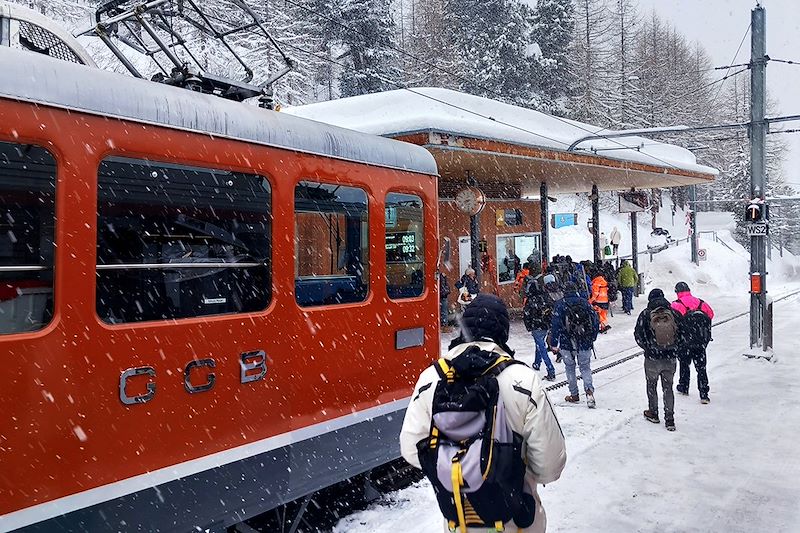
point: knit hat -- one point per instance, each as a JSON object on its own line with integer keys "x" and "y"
{"x": 681, "y": 287}
{"x": 655, "y": 293}
{"x": 486, "y": 318}
{"x": 549, "y": 278}
{"x": 656, "y": 300}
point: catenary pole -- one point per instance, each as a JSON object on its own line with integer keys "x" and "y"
{"x": 758, "y": 178}
{"x": 545, "y": 215}
{"x": 596, "y": 224}
{"x": 693, "y": 223}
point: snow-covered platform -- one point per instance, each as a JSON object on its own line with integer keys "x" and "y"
{"x": 496, "y": 141}
{"x": 730, "y": 466}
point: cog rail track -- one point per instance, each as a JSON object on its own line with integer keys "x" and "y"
{"x": 640, "y": 352}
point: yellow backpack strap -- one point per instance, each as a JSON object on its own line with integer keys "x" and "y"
{"x": 445, "y": 370}
{"x": 500, "y": 360}
{"x": 458, "y": 480}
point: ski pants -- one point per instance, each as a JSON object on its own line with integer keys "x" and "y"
{"x": 443, "y": 311}
{"x": 581, "y": 358}
{"x": 539, "y": 336}
{"x": 602, "y": 314}
{"x": 664, "y": 369}
{"x": 696, "y": 354}
{"x": 627, "y": 299}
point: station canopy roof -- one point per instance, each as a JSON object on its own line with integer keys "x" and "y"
{"x": 498, "y": 142}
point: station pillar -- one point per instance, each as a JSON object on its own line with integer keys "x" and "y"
{"x": 545, "y": 215}
{"x": 596, "y": 224}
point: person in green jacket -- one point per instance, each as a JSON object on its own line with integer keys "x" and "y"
{"x": 628, "y": 280}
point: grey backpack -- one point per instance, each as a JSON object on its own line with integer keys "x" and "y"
{"x": 664, "y": 326}
{"x": 472, "y": 457}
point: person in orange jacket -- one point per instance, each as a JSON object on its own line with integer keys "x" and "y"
{"x": 599, "y": 299}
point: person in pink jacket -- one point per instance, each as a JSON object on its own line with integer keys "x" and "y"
{"x": 697, "y": 320}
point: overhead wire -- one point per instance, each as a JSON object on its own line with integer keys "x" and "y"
{"x": 727, "y": 72}
{"x": 450, "y": 104}
{"x": 466, "y": 110}
{"x": 499, "y": 96}
{"x": 788, "y": 62}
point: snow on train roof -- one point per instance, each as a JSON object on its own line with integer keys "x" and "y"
{"x": 37, "y": 78}
{"x": 406, "y": 111}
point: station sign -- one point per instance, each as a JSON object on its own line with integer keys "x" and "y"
{"x": 563, "y": 220}
{"x": 757, "y": 229}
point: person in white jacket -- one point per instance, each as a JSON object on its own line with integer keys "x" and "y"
{"x": 616, "y": 238}
{"x": 529, "y": 412}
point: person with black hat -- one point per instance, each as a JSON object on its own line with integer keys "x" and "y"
{"x": 658, "y": 332}
{"x": 573, "y": 330}
{"x": 697, "y": 316}
{"x": 481, "y": 347}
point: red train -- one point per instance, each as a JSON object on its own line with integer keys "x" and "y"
{"x": 207, "y": 309}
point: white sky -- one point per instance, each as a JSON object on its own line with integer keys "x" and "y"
{"x": 719, "y": 25}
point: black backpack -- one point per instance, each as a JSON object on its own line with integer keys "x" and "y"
{"x": 697, "y": 326}
{"x": 578, "y": 324}
{"x": 537, "y": 312}
{"x": 472, "y": 457}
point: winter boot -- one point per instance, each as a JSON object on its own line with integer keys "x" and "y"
{"x": 572, "y": 399}
{"x": 536, "y": 367}
{"x": 650, "y": 416}
{"x": 550, "y": 377}
{"x": 590, "y": 400}
{"x": 682, "y": 390}
{"x": 670, "y": 424}
{"x": 705, "y": 400}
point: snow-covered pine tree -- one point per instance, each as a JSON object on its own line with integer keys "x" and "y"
{"x": 368, "y": 45}
{"x": 490, "y": 43}
{"x": 552, "y": 25}
{"x": 589, "y": 55}
{"x": 624, "y": 99}
{"x": 428, "y": 24}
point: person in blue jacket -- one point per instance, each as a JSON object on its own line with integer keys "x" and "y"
{"x": 573, "y": 331}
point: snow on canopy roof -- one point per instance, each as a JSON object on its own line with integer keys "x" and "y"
{"x": 406, "y": 111}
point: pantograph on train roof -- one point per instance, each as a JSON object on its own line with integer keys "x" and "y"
{"x": 171, "y": 35}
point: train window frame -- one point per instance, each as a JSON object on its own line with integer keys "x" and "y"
{"x": 307, "y": 284}
{"x": 498, "y": 248}
{"x": 44, "y": 297}
{"x": 396, "y": 293}
{"x": 150, "y": 161}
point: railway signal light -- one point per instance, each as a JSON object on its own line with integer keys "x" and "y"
{"x": 754, "y": 213}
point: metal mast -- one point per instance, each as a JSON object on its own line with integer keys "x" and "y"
{"x": 758, "y": 178}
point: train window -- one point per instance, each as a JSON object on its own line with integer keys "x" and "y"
{"x": 331, "y": 244}
{"x": 27, "y": 230}
{"x": 175, "y": 241}
{"x": 405, "y": 272}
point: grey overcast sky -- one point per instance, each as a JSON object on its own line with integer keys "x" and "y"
{"x": 719, "y": 26}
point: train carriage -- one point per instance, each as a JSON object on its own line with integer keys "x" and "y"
{"x": 207, "y": 309}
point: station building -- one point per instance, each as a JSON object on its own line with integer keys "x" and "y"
{"x": 497, "y": 165}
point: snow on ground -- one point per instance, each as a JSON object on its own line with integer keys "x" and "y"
{"x": 730, "y": 466}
